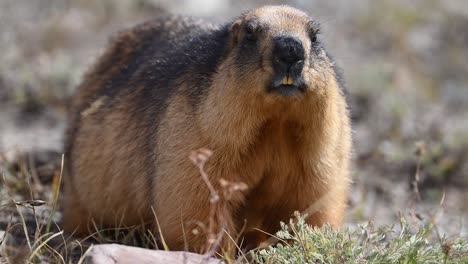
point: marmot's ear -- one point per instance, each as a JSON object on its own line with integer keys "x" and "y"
{"x": 235, "y": 32}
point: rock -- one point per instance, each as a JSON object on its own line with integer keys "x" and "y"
{"x": 119, "y": 254}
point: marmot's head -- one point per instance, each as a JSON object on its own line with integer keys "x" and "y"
{"x": 277, "y": 51}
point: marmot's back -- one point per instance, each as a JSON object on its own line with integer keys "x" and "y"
{"x": 154, "y": 55}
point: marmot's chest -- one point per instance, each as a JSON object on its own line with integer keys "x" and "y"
{"x": 277, "y": 165}
{"x": 278, "y": 158}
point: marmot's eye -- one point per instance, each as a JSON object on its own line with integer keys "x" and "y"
{"x": 313, "y": 35}
{"x": 250, "y": 33}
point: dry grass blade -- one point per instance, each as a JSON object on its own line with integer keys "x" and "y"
{"x": 237, "y": 247}
{"x": 275, "y": 238}
{"x": 82, "y": 259}
{"x": 159, "y": 230}
{"x": 36, "y": 249}
{"x": 56, "y": 253}
{"x": 23, "y": 222}
{"x": 56, "y": 193}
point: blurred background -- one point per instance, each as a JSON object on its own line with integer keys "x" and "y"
{"x": 405, "y": 63}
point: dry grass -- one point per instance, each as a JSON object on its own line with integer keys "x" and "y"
{"x": 34, "y": 222}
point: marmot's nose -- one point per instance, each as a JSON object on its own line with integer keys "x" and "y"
{"x": 287, "y": 51}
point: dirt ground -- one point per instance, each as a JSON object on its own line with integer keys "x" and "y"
{"x": 406, "y": 67}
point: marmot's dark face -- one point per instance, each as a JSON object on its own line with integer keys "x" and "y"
{"x": 277, "y": 48}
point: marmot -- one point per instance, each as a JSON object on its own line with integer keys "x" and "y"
{"x": 260, "y": 92}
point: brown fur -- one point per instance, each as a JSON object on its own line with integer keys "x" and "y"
{"x": 292, "y": 152}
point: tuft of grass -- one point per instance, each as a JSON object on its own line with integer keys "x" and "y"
{"x": 306, "y": 244}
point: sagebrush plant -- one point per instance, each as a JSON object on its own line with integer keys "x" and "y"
{"x": 302, "y": 243}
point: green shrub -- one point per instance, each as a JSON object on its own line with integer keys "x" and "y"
{"x": 304, "y": 244}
